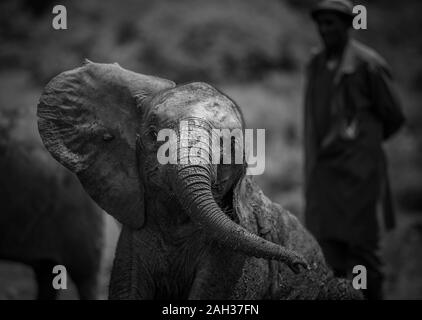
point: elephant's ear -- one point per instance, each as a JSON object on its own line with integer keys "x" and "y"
{"x": 88, "y": 120}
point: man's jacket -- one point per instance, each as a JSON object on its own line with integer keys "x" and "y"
{"x": 345, "y": 171}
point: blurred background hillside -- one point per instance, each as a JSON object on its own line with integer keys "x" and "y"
{"x": 255, "y": 51}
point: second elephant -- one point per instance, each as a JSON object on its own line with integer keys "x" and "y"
{"x": 47, "y": 219}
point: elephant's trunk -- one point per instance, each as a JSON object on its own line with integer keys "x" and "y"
{"x": 192, "y": 186}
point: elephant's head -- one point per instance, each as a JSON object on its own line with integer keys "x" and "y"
{"x": 101, "y": 121}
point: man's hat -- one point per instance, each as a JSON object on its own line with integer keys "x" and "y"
{"x": 344, "y": 7}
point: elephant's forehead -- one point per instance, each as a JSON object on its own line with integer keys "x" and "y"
{"x": 197, "y": 100}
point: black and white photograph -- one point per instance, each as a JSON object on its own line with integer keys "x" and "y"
{"x": 232, "y": 151}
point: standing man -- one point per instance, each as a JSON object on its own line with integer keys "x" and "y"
{"x": 350, "y": 109}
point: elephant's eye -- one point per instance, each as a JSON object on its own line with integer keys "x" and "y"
{"x": 153, "y": 134}
{"x": 108, "y": 136}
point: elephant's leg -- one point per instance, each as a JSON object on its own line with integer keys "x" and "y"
{"x": 85, "y": 275}
{"x": 44, "y": 276}
{"x": 87, "y": 286}
{"x": 131, "y": 278}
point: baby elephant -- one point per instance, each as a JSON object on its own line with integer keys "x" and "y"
{"x": 192, "y": 228}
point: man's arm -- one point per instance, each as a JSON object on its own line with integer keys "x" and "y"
{"x": 385, "y": 99}
{"x": 310, "y": 144}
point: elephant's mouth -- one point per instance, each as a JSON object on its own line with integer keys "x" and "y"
{"x": 191, "y": 183}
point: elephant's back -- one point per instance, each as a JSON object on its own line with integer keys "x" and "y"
{"x": 272, "y": 222}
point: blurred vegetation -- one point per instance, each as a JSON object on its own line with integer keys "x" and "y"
{"x": 181, "y": 40}
{"x": 253, "y": 50}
